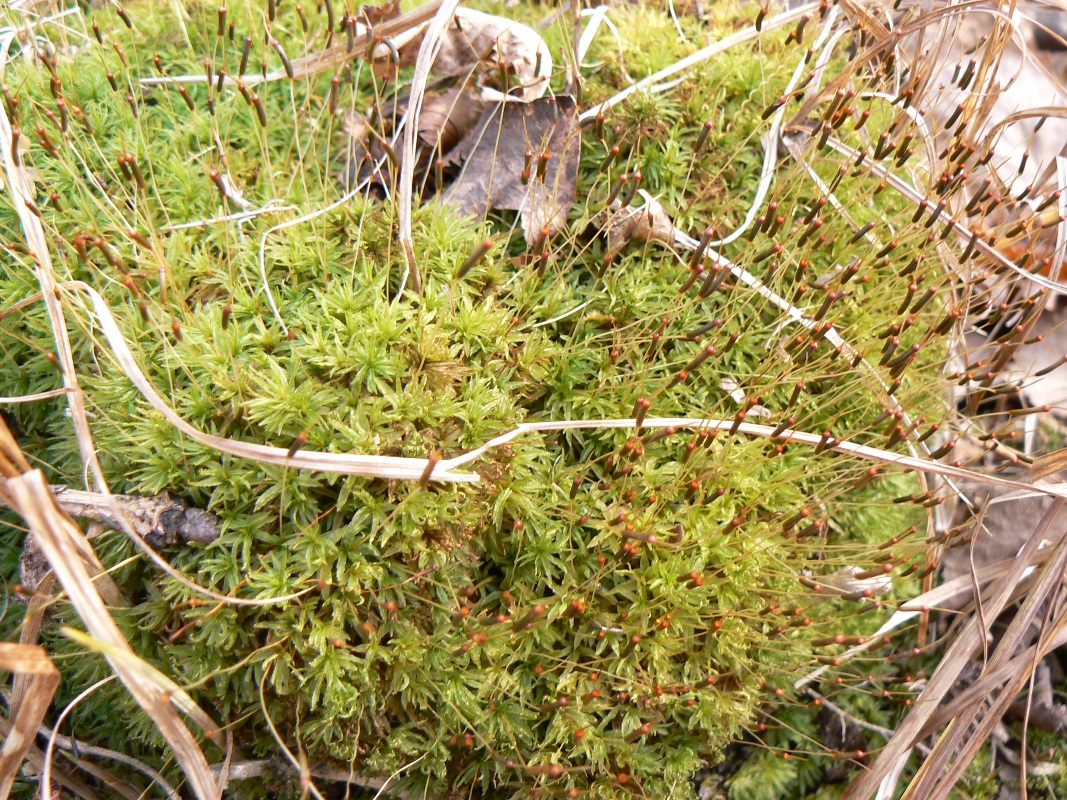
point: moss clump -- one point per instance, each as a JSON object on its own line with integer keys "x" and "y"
{"x": 605, "y": 608}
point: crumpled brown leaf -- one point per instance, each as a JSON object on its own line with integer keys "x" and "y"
{"x": 493, "y": 158}
{"x": 447, "y": 116}
{"x": 648, "y": 222}
{"x": 492, "y": 47}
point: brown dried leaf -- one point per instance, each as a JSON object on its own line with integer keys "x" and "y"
{"x": 480, "y": 42}
{"x": 493, "y": 154}
{"x": 29, "y": 660}
{"x": 648, "y": 222}
{"x": 374, "y": 15}
{"x": 448, "y": 116}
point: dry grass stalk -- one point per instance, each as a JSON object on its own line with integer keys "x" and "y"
{"x": 22, "y": 193}
{"x": 33, "y": 662}
{"x": 63, "y": 544}
{"x": 428, "y": 50}
{"x": 948, "y": 671}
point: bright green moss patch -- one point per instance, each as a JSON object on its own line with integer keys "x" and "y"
{"x": 605, "y": 609}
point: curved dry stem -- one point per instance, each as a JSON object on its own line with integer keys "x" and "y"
{"x": 68, "y": 743}
{"x": 20, "y": 188}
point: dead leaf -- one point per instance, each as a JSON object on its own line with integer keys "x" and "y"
{"x": 447, "y": 117}
{"x": 648, "y": 222}
{"x": 510, "y": 58}
{"x": 493, "y": 155}
{"x": 374, "y": 15}
{"x": 1006, "y": 527}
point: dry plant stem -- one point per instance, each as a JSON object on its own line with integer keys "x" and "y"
{"x": 390, "y": 467}
{"x": 33, "y": 661}
{"x": 57, "y": 534}
{"x": 400, "y": 468}
{"x": 273, "y": 207}
{"x": 1049, "y": 464}
{"x": 428, "y": 50}
{"x": 116, "y": 787}
{"x": 885, "y": 733}
{"x": 947, "y": 672}
{"x": 933, "y": 771}
{"x": 21, "y": 199}
{"x": 1058, "y": 491}
{"x": 32, "y": 398}
{"x": 703, "y": 54}
{"x": 985, "y": 686}
{"x": 69, "y": 782}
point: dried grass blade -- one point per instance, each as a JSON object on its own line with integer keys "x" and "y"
{"x": 30, "y": 660}
{"x": 933, "y": 771}
{"x": 952, "y": 663}
{"x": 428, "y": 50}
{"x": 988, "y": 684}
{"x": 1049, "y": 464}
{"x": 31, "y": 629}
{"x": 22, "y": 192}
{"x": 391, "y": 467}
{"x": 58, "y": 537}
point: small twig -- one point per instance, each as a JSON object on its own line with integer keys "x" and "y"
{"x": 160, "y": 519}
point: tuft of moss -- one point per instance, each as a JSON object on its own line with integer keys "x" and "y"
{"x": 606, "y": 608}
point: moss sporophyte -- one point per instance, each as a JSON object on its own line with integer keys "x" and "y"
{"x": 602, "y": 606}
